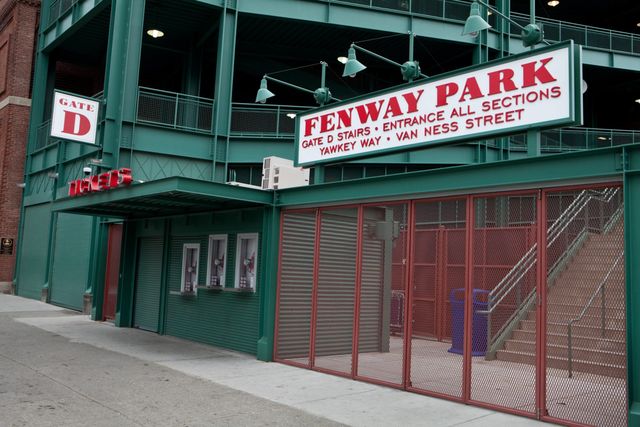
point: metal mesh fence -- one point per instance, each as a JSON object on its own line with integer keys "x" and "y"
{"x": 297, "y": 249}
{"x": 336, "y": 289}
{"x": 585, "y": 308}
{"x": 504, "y": 294}
{"x": 381, "y": 330}
{"x": 437, "y": 311}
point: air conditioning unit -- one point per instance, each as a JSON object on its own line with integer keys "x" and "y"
{"x": 280, "y": 173}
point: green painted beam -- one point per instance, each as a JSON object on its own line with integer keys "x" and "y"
{"x": 601, "y": 164}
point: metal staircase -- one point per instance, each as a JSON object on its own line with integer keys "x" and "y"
{"x": 579, "y": 277}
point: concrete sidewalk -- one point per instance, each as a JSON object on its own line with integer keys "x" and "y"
{"x": 176, "y": 382}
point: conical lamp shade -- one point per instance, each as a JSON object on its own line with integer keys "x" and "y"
{"x": 352, "y": 66}
{"x": 474, "y": 23}
{"x": 263, "y": 93}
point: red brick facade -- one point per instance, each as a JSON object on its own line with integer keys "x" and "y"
{"x": 18, "y": 32}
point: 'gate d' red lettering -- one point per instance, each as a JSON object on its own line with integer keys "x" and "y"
{"x": 75, "y": 124}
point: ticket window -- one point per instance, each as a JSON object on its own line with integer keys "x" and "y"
{"x": 246, "y": 261}
{"x": 216, "y": 268}
{"x": 190, "y": 259}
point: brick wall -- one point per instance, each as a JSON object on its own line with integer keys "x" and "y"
{"x": 18, "y": 27}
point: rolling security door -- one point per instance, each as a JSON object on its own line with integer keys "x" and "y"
{"x": 148, "y": 274}
{"x": 32, "y": 270}
{"x": 71, "y": 257}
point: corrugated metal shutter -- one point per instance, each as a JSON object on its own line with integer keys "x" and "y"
{"x": 296, "y": 285}
{"x": 33, "y": 251}
{"x": 148, "y": 276}
{"x": 72, "y": 253}
{"x": 336, "y": 283}
{"x": 371, "y": 294}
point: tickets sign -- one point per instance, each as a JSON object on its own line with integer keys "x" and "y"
{"x": 526, "y": 91}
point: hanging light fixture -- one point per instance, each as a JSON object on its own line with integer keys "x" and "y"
{"x": 155, "y": 33}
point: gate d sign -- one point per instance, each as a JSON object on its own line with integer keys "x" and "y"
{"x": 74, "y": 118}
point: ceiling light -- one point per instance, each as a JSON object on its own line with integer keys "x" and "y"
{"x": 489, "y": 13}
{"x": 155, "y": 33}
{"x": 291, "y": 115}
{"x": 602, "y": 138}
{"x": 342, "y": 59}
{"x": 553, "y": 3}
{"x": 638, "y": 100}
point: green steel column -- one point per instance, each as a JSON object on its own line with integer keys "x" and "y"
{"x": 36, "y": 117}
{"x": 124, "y": 305}
{"x": 164, "y": 282}
{"x": 533, "y": 143}
{"x": 97, "y": 271}
{"x": 121, "y": 75}
{"x": 268, "y": 294}
{"x": 223, "y": 92}
{"x": 632, "y": 252}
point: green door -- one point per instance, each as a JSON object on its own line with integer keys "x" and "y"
{"x": 71, "y": 260}
{"x": 148, "y": 274}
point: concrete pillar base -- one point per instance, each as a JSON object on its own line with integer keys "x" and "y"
{"x": 87, "y": 302}
{"x": 44, "y": 295}
{"x": 6, "y": 288}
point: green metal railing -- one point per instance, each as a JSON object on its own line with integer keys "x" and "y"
{"x": 174, "y": 110}
{"x": 268, "y": 121}
{"x": 458, "y": 11}
{"x": 59, "y": 8}
{"x": 43, "y": 136}
{"x": 577, "y": 139}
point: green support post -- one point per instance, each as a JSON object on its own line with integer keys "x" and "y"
{"x": 631, "y": 184}
{"x": 533, "y": 143}
{"x": 121, "y": 75}
{"x": 268, "y": 296}
{"x": 223, "y": 93}
{"x": 164, "y": 283}
{"x": 98, "y": 269}
{"x": 124, "y": 305}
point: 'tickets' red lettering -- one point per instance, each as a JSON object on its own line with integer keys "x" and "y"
{"x": 104, "y": 181}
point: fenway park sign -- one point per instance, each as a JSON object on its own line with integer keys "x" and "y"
{"x": 536, "y": 90}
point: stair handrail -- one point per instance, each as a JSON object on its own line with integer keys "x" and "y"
{"x": 600, "y": 289}
{"x": 522, "y": 267}
{"x": 559, "y": 225}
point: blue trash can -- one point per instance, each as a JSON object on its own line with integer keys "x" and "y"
{"x": 479, "y": 322}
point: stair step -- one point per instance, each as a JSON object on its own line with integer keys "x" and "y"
{"x": 603, "y": 356}
{"x": 611, "y": 311}
{"x": 589, "y": 319}
{"x": 577, "y": 330}
{"x": 611, "y": 300}
{"x": 609, "y": 370}
{"x": 616, "y": 344}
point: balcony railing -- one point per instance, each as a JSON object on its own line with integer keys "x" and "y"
{"x": 577, "y": 139}
{"x": 43, "y": 136}
{"x": 58, "y": 8}
{"x": 458, "y": 11}
{"x": 268, "y": 121}
{"x": 582, "y": 34}
{"x": 174, "y": 110}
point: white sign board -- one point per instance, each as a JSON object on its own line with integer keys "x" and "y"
{"x": 532, "y": 90}
{"x": 74, "y": 118}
